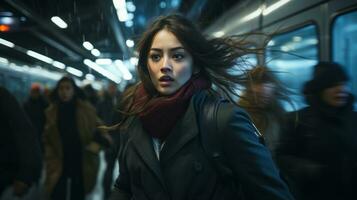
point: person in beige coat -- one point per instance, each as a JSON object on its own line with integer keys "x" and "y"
{"x": 72, "y": 142}
{"x": 262, "y": 99}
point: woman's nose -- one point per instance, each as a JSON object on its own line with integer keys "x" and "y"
{"x": 166, "y": 65}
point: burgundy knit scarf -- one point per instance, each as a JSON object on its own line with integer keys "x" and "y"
{"x": 161, "y": 115}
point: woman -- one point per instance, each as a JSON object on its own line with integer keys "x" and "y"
{"x": 261, "y": 99}
{"x": 161, "y": 155}
{"x": 71, "y": 143}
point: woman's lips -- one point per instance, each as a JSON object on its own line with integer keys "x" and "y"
{"x": 165, "y": 81}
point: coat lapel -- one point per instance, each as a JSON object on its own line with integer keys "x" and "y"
{"x": 144, "y": 146}
{"x": 185, "y": 130}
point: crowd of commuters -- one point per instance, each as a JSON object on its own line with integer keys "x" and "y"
{"x": 160, "y": 136}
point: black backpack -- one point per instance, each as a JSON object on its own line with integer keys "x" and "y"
{"x": 215, "y": 114}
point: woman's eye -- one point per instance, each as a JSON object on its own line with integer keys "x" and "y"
{"x": 178, "y": 56}
{"x": 155, "y": 57}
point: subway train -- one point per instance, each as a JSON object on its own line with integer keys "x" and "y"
{"x": 299, "y": 33}
{"x": 18, "y": 79}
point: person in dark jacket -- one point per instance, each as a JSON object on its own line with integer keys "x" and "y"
{"x": 20, "y": 153}
{"x": 35, "y": 107}
{"x": 318, "y": 152}
{"x": 161, "y": 155}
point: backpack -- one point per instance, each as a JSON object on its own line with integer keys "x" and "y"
{"x": 215, "y": 114}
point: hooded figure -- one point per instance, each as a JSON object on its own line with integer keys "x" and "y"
{"x": 318, "y": 151}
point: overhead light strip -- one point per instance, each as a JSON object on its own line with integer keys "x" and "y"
{"x": 7, "y": 43}
{"x": 59, "y": 22}
{"x": 101, "y": 70}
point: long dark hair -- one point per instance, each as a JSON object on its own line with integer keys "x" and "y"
{"x": 214, "y": 58}
{"x": 78, "y": 93}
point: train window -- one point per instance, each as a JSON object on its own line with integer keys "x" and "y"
{"x": 292, "y": 55}
{"x": 344, "y": 48}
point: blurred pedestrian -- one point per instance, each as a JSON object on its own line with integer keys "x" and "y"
{"x": 20, "y": 154}
{"x": 318, "y": 152}
{"x": 35, "y": 107}
{"x": 72, "y": 143}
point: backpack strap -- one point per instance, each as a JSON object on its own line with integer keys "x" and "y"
{"x": 215, "y": 113}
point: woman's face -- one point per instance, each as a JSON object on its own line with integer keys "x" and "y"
{"x": 170, "y": 65}
{"x": 65, "y": 91}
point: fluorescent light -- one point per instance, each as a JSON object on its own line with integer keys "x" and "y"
{"x": 39, "y": 56}
{"x": 90, "y": 77}
{"x": 123, "y": 69}
{"x": 95, "y": 52}
{"x": 130, "y": 17}
{"x": 101, "y": 70}
{"x": 88, "y": 45}
{"x": 58, "y": 64}
{"x": 130, "y": 6}
{"x": 129, "y": 43}
{"x": 134, "y": 61}
{"x": 218, "y": 34}
{"x": 122, "y": 15}
{"x": 252, "y": 15}
{"x": 59, "y": 22}
{"x": 7, "y": 43}
{"x": 4, "y": 60}
{"x": 129, "y": 23}
{"x": 103, "y": 61}
{"x": 274, "y": 6}
{"x": 74, "y": 71}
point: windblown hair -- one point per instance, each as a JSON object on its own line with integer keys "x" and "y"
{"x": 262, "y": 74}
{"x": 214, "y": 58}
{"x": 78, "y": 93}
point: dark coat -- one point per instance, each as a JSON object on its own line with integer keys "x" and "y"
{"x": 185, "y": 172}
{"x": 20, "y": 154}
{"x": 318, "y": 151}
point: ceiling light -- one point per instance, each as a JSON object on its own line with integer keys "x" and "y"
{"x": 130, "y": 16}
{"x": 123, "y": 69}
{"x": 162, "y": 4}
{"x": 58, "y": 64}
{"x": 59, "y": 22}
{"x": 88, "y": 45}
{"x": 103, "y": 61}
{"x": 74, "y": 71}
{"x": 134, "y": 61}
{"x": 101, "y": 70}
{"x": 122, "y": 15}
{"x": 274, "y": 6}
{"x": 6, "y": 20}
{"x": 130, "y": 6}
{"x": 7, "y": 43}
{"x": 39, "y": 56}
{"x": 252, "y": 15}
{"x": 129, "y": 23}
{"x": 4, "y": 60}
{"x": 95, "y": 52}
{"x": 129, "y": 43}
{"x": 90, "y": 77}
